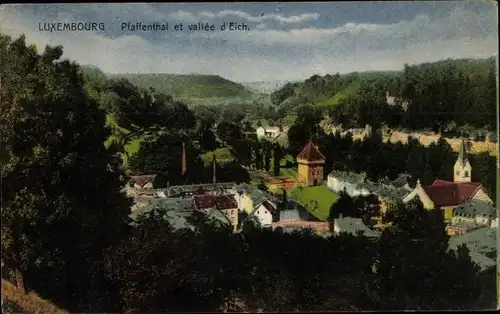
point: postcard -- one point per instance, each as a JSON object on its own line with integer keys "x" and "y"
{"x": 249, "y": 157}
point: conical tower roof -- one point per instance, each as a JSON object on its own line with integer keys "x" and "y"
{"x": 310, "y": 152}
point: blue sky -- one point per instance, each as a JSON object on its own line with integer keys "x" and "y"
{"x": 287, "y": 41}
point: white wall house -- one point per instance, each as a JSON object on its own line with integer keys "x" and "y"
{"x": 475, "y": 211}
{"x": 494, "y": 223}
{"x": 271, "y": 131}
{"x": 339, "y": 181}
{"x": 261, "y": 132}
{"x": 264, "y": 213}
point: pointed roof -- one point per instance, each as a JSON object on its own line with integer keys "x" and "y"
{"x": 462, "y": 153}
{"x": 142, "y": 180}
{"x": 310, "y": 152}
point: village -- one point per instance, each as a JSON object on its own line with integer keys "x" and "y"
{"x": 468, "y": 212}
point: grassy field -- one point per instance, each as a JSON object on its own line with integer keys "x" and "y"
{"x": 317, "y": 200}
{"x": 222, "y": 154}
{"x": 132, "y": 147}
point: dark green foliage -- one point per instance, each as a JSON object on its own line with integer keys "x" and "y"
{"x": 461, "y": 91}
{"x": 414, "y": 267}
{"x": 304, "y": 129}
{"x": 277, "y": 155}
{"x": 60, "y": 185}
{"x": 163, "y": 158}
{"x": 62, "y": 207}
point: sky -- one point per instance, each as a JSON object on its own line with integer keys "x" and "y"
{"x": 285, "y": 41}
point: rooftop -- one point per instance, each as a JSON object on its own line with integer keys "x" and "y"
{"x": 349, "y": 177}
{"x": 353, "y": 226}
{"x": 310, "y": 152}
{"x": 446, "y": 193}
{"x": 225, "y": 202}
{"x": 463, "y": 225}
{"x": 295, "y": 213}
{"x": 481, "y": 243}
{"x": 475, "y": 208}
{"x": 204, "y": 201}
{"x": 142, "y": 180}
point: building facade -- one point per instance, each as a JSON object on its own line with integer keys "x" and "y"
{"x": 310, "y": 165}
{"x": 448, "y": 195}
{"x": 339, "y": 181}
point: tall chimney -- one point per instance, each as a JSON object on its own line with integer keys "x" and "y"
{"x": 184, "y": 166}
{"x": 214, "y": 165}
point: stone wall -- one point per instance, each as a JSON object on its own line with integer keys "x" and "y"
{"x": 317, "y": 226}
{"x": 427, "y": 139}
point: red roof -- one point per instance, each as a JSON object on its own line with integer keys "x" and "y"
{"x": 200, "y": 191}
{"x": 142, "y": 180}
{"x": 446, "y": 193}
{"x": 311, "y": 153}
{"x": 204, "y": 201}
{"x": 225, "y": 202}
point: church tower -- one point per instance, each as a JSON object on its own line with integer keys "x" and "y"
{"x": 462, "y": 169}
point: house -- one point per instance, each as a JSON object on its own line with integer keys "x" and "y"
{"x": 339, "y": 181}
{"x": 392, "y": 101}
{"x": 353, "y": 226}
{"x": 311, "y": 162}
{"x": 401, "y": 182}
{"x": 176, "y": 210}
{"x": 204, "y": 203}
{"x": 459, "y": 228}
{"x": 448, "y": 195}
{"x": 494, "y": 223}
{"x": 267, "y": 213}
{"x": 227, "y": 205}
{"x": 356, "y": 185}
{"x": 475, "y": 211}
{"x": 295, "y": 217}
{"x": 248, "y": 197}
{"x": 482, "y": 245}
{"x": 142, "y": 181}
{"x": 271, "y": 131}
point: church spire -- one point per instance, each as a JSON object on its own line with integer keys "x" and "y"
{"x": 462, "y": 169}
{"x": 462, "y": 153}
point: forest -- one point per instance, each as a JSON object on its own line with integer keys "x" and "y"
{"x": 66, "y": 231}
{"x": 449, "y": 92}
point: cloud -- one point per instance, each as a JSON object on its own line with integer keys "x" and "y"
{"x": 194, "y": 17}
{"x": 263, "y": 53}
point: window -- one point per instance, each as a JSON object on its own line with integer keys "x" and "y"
{"x": 466, "y": 174}
{"x": 458, "y": 172}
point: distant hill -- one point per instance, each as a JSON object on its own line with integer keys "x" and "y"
{"x": 327, "y": 90}
{"x": 189, "y": 86}
{"x": 330, "y": 90}
{"x": 265, "y": 87}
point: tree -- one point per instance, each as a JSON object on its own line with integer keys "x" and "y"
{"x": 368, "y": 207}
{"x": 163, "y": 156}
{"x": 267, "y": 154}
{"x": 415, "y": 246}
{"x": 343, "y": 207}
{"x": 277, "y": 155}
{"x": 62, "y": 185}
